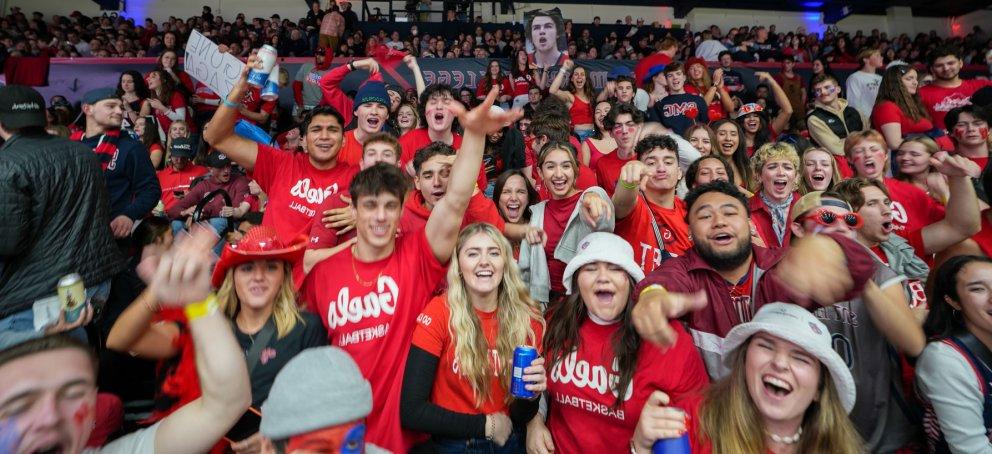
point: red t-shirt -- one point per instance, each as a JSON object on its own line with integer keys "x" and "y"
{"x": 888, "y": 112}
{"x": 940, "y": 100}
{"x": 451, "y": 390}
{"x": 608, "y": 171}
{"x": 637, "y": 230}
{"x": 912, "y": 209}
{"x": 322, "y": 237}
{"x": 253, "y": 102}
{"x": 413, "y": 141}
{"x": 982, "y": 162}
{"x": 521, "y": 84}
{"x": 351, "y": 151}
{"x": 582, "y": 417}
{"x": 480, "y": 209}
{"x": 296, "y": 189}
{"x": 170, "y": 181}
{"x": 984, "y": 236}
{"x": 556, "y": 215}
{"x": 370, "y": 311}
{"x": 177, "y": 102}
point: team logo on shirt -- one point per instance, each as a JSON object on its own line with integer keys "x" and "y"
{"x": 584, "y": 375}
{"x": 679, "y": 109}
{"x": 313, "y": 195}
{"x": 952, "y": 101}
{"x": 348, "y": 309}
{"x": 899, "y": 216}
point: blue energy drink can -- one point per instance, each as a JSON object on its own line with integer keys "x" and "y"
{"x": 523, "y": 355}
{"x": 672, "y": 446}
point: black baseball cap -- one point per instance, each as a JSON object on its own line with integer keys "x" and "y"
{"x": 182, "y": 148}
{"x": 217, "y": 160}
{"x": 21, "y": 107}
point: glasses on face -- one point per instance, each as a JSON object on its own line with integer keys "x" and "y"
{"x": 827, "y": 218}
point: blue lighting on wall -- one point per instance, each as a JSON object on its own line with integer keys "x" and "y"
{"x": 813, "y": 5}
{"x": 136, "y": 9}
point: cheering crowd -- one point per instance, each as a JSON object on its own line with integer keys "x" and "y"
{"x": 785, "y": 266}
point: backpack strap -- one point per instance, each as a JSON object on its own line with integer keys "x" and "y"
{"x": 961, "y": 343}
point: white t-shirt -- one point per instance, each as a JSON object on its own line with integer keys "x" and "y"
{"x": 142, "y": 441}
{"x": 710, "y": 49}
{"x": 862, "y": 88}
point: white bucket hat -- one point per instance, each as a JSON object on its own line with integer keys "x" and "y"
{"x": 602, "y": 247}
{"x": 797, "y": 325}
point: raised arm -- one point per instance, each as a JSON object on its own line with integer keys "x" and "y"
{"x": 963, "y": 218}
{"x": 556, "y": 90}
{"x": 784, "y": 106}
{"x": 418, "y": 76}
{"x": 446, "y": 217}
{"x": 220, "y": 130}
{"x": 628, "y": 187}
{"x": 890, "y": 312}
{"x": 134, "y": 332}
{"x": 183, "y": 276}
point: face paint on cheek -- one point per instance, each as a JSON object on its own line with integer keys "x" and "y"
{"x": 354, "y": 440}
{"x": 10, "y": 435}
{"x": 82, "y": 414}
{"x": 960, "y": 131}
{"x": 984, "y": 132}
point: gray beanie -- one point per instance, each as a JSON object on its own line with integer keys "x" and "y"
{"x": 318, "y": 388}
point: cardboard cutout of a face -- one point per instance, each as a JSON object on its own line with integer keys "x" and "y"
{"x": 546, "y": 41}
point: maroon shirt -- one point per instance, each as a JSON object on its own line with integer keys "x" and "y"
{"x": 709, "y": 326}
{"x": 761, "y": 217}
{"x": 236, "y": 187}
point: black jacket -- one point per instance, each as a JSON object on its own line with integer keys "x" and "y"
{"x": 53, "y": 219}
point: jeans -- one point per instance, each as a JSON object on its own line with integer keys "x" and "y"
{"x": 218, "y": 224}
{"x": 478, "y": 445}
{"x": 19, "y": 327}
{"x": 584, "y": 134}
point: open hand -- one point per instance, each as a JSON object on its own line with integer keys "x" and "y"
{"x": 482, "y": 120}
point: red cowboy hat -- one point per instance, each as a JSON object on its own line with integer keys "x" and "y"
{"x": 259, "y": 243}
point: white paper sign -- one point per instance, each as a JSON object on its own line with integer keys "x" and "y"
{"x": 205, "y": 63}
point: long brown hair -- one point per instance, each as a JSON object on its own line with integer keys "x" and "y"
{"x": 168, "y": 87}
{"x": 893, "y": 90}
{"x": 586, "y": 88}
{"x": 562, "y": 337}
{"x": 730, "y": 420}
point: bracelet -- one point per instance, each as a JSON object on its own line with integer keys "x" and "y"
{"x": 626, "y": 185}
{"x": 230, "y": 104}
{"x": 491, "y": 425}
{"x": 653, "y": 288}
{"x": 202, "y": 308}
{"x": 351, "y": 66}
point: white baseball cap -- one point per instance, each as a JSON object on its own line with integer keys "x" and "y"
{"x": 602, "y": 247}
{"x": 795, "y": 324}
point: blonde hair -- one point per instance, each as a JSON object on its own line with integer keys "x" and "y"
{"x": 285, "y": 312}
{"x": 515, "y": 310}
{"x": 730, "y": 420}
{"x": 168, "y": 139}
{"x": 774, "y": 151}
{"x": 834, "y": 172}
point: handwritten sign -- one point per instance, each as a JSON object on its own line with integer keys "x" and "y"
{"x": 205, "y": 63}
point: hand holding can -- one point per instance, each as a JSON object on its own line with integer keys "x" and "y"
{"x": 523, "y": 357}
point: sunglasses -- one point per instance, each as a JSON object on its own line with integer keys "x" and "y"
{"x": 827, "y": 218}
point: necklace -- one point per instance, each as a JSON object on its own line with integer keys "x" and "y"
{"x": 358, "y": 278}
{"x": 788, "y": 439}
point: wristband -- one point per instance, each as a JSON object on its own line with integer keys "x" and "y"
{"x": 351, "y": 66}
{"x": 230, "y": 104}
{"x": 626, "y": 185}
{"x": 201, "y": 308}
{"x": 653, "y": 288}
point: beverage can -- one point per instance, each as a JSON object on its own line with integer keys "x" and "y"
{"x": 267, "y": 60}
{"x": 72, "y": 295}
{"x": 270, "y": 92}
{"x": 672, "y": 445}
{"x": 523, "y": 355}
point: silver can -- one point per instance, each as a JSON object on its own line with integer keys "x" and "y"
{"x": 267, "y": 61}
{"x": 72, "y": 295}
